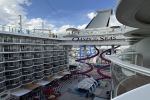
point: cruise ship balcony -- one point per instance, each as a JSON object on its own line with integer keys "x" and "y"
{"x": 54, "y": 54}
{"x": 2, "y": 69}
{"x": 47, "y": 66}
{"x": 27, "y": 71}
{"x": 39, "y": 75}
{"x": 7, "y": 39}
{"x": 55, "y": 42}
{"x": 26, "y": 56}
{"x": 48, "y": 73}
{"x": 37, "y": 41}
{"x": 38, "y": 55}
{"x": 27, "y": 79}
{"x": 37, "y": 48}
{"x": 61, "y": 48}
{"x": 2, "y": 77}
{"x": 61, "y": 63}
{"x": 25, "y": 48}
{"x": 55, "y": 48}
{"x": 26, "y": 40}
{"x": 2, "y": 87}
{"x": 11, "y": 57}
{"x": 27, "y": 63}
{"x": 47, "y": 54}
{"x": 11, "y": 76}
{"x": 61, "y": 54}
{"x": 55, "y": 59}
{"x": 128, "y": 72}
{"x": 61, "y": 68}
{"x": 48, "y": 42}
{"x": 14, "y": 66}
{"x": 38, "y": 68}
{"x": 47, "y": 60}
{"x": 55, "y": 65}
{"x": 11, "y": 48}
{"x": 1, "y": 58}
{"x": 61, "y": 58}
{"x": 13, "y": 84}
{"x": 55, "y": 70}
{"x": 38, "y": 62}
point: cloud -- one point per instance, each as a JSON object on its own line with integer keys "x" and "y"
{"x": 91, "y": 15}
{"x": 62, "y": 29}
{"x": 81, "y": 26}
{"x": 114, "y": 21}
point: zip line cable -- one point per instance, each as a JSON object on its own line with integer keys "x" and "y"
{"x": 54, "y": 10}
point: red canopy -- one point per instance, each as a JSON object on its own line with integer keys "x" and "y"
{"x": 48, "y": 91}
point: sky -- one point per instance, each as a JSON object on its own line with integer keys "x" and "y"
{"x": 57, "y": 15}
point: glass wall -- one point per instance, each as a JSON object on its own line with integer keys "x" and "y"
{"x": 124, "y": 80}
{"x": 136, "y": 59}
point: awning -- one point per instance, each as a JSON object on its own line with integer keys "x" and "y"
{"x": 72, "y": 29}
{"x": 32, "y": 86}
{"x": 20, "y": 92}
{"x": 43, "y": 83}
{"x": 50, "y": 79}
{"x": 57, "y": 76}
{"x": 64, "y": 73}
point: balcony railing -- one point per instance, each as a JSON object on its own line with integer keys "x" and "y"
{"x": 38, "y": 56}
{"x": 39, "y": 76}
{"x": 27, "y": 57}
{"x": 27, "y": 65}
{"x": 1, "y": 69}
{"x": 25, "y": 41}
{"x": 2, "y": 89}
{"x": 39, "y": 69}
{"x": 38, "y": 63}
{"x": 13, "y": 85}
{"x": 38, "y": 42}
{"x": 47, "y": 61}
{"x": 11, "y": 50}
{"x": 47, "y": 55}
{"x": 55, "y": 48}
{"x": 11, "y": 40}
{"x": 28, "y": 80}
{"x": 26, "y": 49}
{"x": 11, "y": 58}
{"x": 55, "y": 70}
{"x": 2, "y": 78}
{"x": 48, "y": 74}
{"x": 48, "y": 66}
{"x": 54, "y": 54}
{"x": 26, "y": 72}
{"x": 37, "y": 49}
{"x": 12, "y": 67}
{"x": 11, "y": 76}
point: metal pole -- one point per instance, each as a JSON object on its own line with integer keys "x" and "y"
{"x": 42, "y": 27}
{"x": 112, "y": 49}
{"x": 20, "y": 23}
{"x": 84, "y": 65}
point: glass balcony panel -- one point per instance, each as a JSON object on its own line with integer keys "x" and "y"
{"x": 12, "y": 67}
{"x": 2, "y": 69}
{"x": 125, "y": 80}
{"x": 27, "y": 80}
{"x": 11, "y": 58}
{"x": 2, "y": 78}
{"x": 2, "y": 89}
{"x": 13, "y": 85}
{"x": 11, "y": 76}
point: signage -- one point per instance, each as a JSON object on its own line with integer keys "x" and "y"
{"x": 97, "y": 38}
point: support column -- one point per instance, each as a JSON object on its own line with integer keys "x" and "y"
{"x": 84, "y": 65}
{"x": 112, "y": 49}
